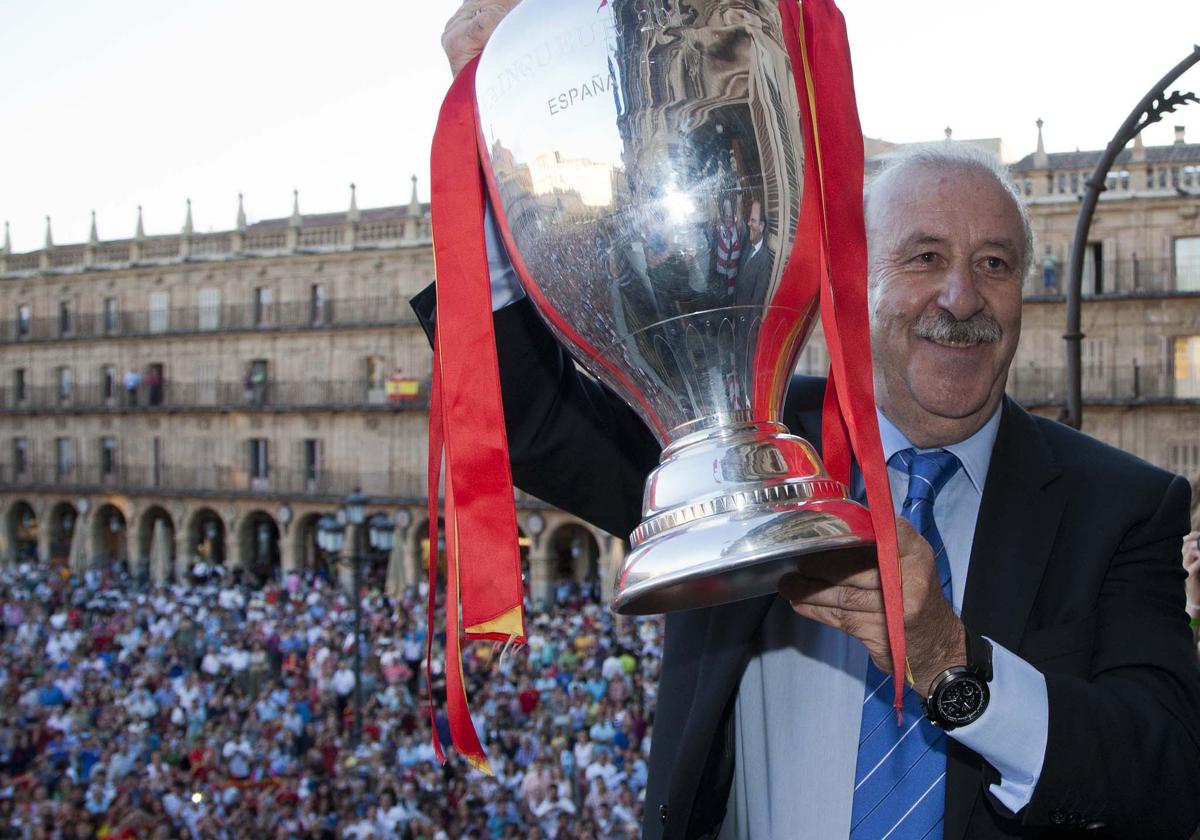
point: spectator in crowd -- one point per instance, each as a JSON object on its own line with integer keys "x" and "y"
{"x": 206, "y": 709}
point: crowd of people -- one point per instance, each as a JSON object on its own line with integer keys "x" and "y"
{"x": 221, "y": 711}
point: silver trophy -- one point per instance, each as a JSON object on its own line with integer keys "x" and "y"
{"x": 646, "y": 163}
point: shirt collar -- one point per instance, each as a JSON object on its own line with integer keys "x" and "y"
{"x": 974, "y": 453}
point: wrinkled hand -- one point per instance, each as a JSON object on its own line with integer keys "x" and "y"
{"x": 1191, "y": 562}
{"x": 470, "y": 27}
{"x": 850, "y": 598}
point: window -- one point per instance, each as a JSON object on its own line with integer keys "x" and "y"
{"x": 1187, "y": 367}
{"x": 108, "y": 457}
{"x": 1187, "y": 263}
{"x": 24, "y": 320}
{"x": 210, "y": 309}
{"x": 20, "y": 456}
{"x": 254, "y": 382}
{"x": 160, "y": 312}
{"x": 312, "y": 462}
{"x": 318, "y": 305}
{"x": 63, "y": 378}
{"x": 66, "y": 317}
{"x": 152, "y": 381}
{"x": 156, "y": 462}
{"x": 1183, "y": 458}
{"x": 62, "y": 455}
{"x": 108, "y": 383}
{"x": 260, "y": 462}
{"x": 264, "y": 299}
{"x": 19, "y": 390}
{"x": 112, "y": 317}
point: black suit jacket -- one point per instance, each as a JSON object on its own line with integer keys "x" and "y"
{"x": 1075, "y": 567}
{"x": 754, "y": 274}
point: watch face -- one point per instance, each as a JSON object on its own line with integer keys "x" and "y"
{"x": 962, "y": 700}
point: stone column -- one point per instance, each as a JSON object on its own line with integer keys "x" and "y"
{"x": 541, "y": 582}
{"x": 6, "y": 558}
{"x": 288, "y": 561}
{"x": 398, "y": 568}
{"x": 610, "y": 565}
{"x": 183, "y": 554}
{"x": 43, "y": 535}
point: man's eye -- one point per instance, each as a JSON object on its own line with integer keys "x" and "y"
{"x": 928, "y": 258}
{"x": 994, "y": 264}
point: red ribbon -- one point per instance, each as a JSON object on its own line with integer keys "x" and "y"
{"x": 832, "y": 215}
{"x": 466, "y": 421}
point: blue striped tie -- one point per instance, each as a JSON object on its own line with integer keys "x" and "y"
{"x": 899, "y": 784}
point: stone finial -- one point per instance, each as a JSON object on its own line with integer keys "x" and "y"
{"x": 141, "y": 230}
{"x": 949, "y": 133}
{"x": 6, "y": 248}
{"x": 414, "y": 206}
{"x": 1139, "y": 149}
{"x": 294, "y": 221}
{"x": 1179, "y": 135}
{"x": 49, "y": 237}
{"x": 188, "y": 228}
{"x": 1040, "y": 158}
{"x": 241, "y": 214}
{"x": 92, "y": 237}
{"x": 352, "y": 214}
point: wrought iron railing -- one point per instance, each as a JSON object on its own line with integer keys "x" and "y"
{"x": 281, "y": 315}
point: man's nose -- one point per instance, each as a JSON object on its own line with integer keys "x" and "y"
{"x": 959, "y": 294}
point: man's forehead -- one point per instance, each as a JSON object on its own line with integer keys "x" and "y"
{"x": 915, "y": 203}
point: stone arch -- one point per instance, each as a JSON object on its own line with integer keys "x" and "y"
{"x": 310, "y": 558}
{"x": 62, "y": 521}
{"x": 258, "y": 542}
{"x": 206, "y": 537}
{"x": 573, "y": 553}
{"x": 110, "y": 537}
{"x": 374, "y": 562}
{"x": 156, "y": 544}
{"x": 22, "y": 524}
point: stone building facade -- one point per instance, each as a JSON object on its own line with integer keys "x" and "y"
{"x": 1141, "y": 306}
{"x": 168, "y": 399}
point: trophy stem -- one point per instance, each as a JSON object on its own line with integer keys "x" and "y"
{"x": 728, "y": 512}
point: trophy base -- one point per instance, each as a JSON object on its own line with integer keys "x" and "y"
{"x": 751, "y": 551}
{"x": 728, "y": 512}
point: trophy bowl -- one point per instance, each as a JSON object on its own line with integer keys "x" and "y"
{"x": 646, "y": 164}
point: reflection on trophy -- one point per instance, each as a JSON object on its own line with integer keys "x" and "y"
{"x": 646, "y": 162}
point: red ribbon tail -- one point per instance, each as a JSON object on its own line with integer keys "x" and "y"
{"x": 485, "y": 594}
{"x": 825, "y": 80}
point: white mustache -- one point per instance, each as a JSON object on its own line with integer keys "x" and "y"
{"x": 941, "y": 326}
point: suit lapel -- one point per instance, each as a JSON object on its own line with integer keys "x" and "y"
{"x": 1014, "y": 534}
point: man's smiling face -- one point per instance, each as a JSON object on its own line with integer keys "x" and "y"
{"x": 947, "y": 254}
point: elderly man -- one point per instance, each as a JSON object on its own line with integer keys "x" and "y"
{"x": 1044, "y": 604}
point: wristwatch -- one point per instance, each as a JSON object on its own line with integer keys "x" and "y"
{"x": 959, "y": 695}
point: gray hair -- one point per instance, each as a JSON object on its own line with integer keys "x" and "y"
{"x": 947, "y": 154}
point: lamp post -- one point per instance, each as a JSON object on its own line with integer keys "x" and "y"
{"x": 331, "y": 536}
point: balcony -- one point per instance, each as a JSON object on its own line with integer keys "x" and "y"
{"x": 1040, "y": 386}
{"x": 211, "y": 480}
{"x": 284, "y": 315}
{"x": 396, "y": 486}
{"x": 301, "y": 395}
{"x": 1125, "y": 278}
